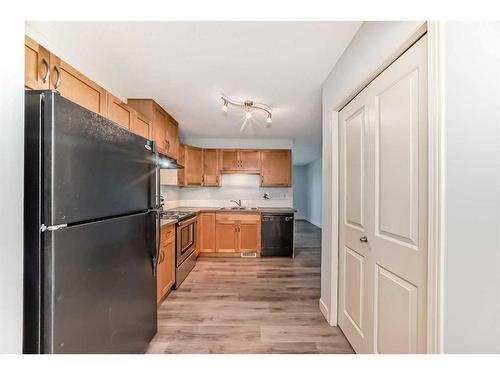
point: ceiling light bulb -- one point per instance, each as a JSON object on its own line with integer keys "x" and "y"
{"x": 224, "y": 107}
{"x": 269, "y": 119}
{"x": 248, "y": 115}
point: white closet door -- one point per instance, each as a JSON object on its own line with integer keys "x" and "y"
{"x": 383, "y": 281}
{"x": 354, "y": 254}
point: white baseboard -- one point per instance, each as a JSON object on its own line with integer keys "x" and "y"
{"x": 324, "y": 310}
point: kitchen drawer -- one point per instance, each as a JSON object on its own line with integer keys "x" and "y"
{"x": 167, "y": 233}
{"x": 238, "y": 216}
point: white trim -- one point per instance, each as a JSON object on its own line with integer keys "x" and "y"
{"x": 324, "y": 310}
{"x": 436, "y": 185}
{"x": 334, "y": 256}
{"x": 435, "y": 274}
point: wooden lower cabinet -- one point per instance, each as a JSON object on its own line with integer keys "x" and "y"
{"x": 237, "y": 233}
{"x": 249, "y": 236}
{"x": 165, "y": 272}
{"x": 206, "y": 232}
{"x": 226, "y": 235}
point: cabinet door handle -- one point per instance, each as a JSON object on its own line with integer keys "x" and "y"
{"x": 47, "y": 71}
{"x": 262, "y": 179}
{"x": 58, "y": 80}
{"x": 217, "y": 180}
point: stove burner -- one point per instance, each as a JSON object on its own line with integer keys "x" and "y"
{"x": 177, "y": 215}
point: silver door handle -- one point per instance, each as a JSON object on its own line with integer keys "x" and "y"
{"x": 58, "y": 80}
{"x": 47, "y": 71}
{"x": 363, "y": 239}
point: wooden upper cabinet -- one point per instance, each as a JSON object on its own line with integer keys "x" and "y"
{"x": 240, "y": 161}
{"x": 120, "y": 113}
{"x": 211, "y": 170}
{"x": 249, "y": 160}
{"x": 164, "y": 129}
{"x": 193, "y": 166}
{"x": 206, "y": 230}
{"x": 142, "y": 125}
{"x": 276, "y": 168}
{"x": 76, "y": 87}
{"x": 160, "y": 130}
{"x": 171, "y": 136}
{"x": 181, "y": 174}
{"x": 36, "y": 66}
{"x": 229, "y": 160}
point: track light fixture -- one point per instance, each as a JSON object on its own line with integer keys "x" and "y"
{"x": 248, "y": 106}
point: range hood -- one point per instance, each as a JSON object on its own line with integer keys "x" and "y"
{"x": 165, "y": 162}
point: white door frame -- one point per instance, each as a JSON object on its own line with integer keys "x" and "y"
{"x": 435, "y": 275}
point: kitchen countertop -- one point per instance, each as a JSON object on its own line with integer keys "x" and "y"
{"x": 273, "y": 210}
{"x": 165, "y": 222}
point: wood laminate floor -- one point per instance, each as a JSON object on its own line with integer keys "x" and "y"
{"x": 262, "y": 305}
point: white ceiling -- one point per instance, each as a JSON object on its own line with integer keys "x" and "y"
{"x": 186, "y": 66}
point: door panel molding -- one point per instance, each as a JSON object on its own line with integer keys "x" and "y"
{"x": 354, "y": 159}
{"x": 385, "y": 319}
{"x": 357, "y": 322}
{"x": 397, "y": 193}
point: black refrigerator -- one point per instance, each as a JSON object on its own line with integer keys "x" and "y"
{"x": 91, "y": 228}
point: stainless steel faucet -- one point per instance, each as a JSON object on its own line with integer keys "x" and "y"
{"x": 238, "y": 202}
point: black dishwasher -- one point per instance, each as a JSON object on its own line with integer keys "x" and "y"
{"x": 277, "y": 234}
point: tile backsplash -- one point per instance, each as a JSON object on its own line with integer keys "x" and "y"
{"x": 234, "y": 186}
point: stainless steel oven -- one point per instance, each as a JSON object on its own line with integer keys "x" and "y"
{"x": 185, "y": 243}
{"x": 185, "y": 249}
{"x": 185, "y": 240}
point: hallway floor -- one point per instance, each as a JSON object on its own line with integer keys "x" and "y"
{"x": 262, "y": 305}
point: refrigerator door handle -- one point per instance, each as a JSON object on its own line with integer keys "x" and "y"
{"x": 157, "y": 240}
{"x": 52, "y": 228}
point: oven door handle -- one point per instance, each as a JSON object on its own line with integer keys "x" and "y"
{"x": 185, "y": 223}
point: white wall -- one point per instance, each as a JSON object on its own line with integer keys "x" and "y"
{"x": 369, "y": 49}
{"x": 11, "y": 188}
{"x": 313, "y": 185}
{"x": 307, "y": 191}
{"x": 472, "y": 198}
{"x": 300, "y": 199}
